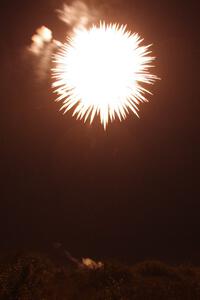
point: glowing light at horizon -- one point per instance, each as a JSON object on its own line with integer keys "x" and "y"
{"x": 102, "y": 71}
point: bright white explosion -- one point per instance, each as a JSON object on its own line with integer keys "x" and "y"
{"x": 102, "y": 71}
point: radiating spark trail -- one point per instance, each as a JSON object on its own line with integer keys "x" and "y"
{"x": 102, "y": 71}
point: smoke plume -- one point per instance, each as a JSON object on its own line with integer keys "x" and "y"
{"x": 42, "y": 37}
{"x": 77, "y": 15}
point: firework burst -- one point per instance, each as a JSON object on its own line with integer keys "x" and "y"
{"x": 102, "y": 71}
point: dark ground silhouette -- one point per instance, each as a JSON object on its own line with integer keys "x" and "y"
{"x": 34, "y": 276}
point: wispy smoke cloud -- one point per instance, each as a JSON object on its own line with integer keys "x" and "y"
{"x": 77, "y": 15}
{"x": 42, "y": 36}
{"x": 42, "y": 47}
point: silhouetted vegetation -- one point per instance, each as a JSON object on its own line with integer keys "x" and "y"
{"x": 36, "y": 277}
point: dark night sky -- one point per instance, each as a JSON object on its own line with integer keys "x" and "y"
{"x": 131, "y": 192}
